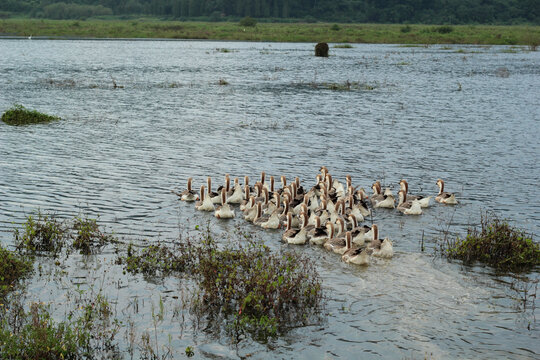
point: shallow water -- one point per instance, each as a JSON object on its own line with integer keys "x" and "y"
{"x": 469, "y": 115}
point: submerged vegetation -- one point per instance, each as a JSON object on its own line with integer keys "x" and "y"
{"x": 44, "y": 234}
{"x": 19, "y": 115}
{"x": 283, "y": 32}
{"x": 497, "y": 244}
{"x": 243, "y": 284}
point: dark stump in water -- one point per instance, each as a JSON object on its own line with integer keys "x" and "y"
{"x": 321, "y": 49}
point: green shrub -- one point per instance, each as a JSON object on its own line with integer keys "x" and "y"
{"x": 335, "y": 27}
{"x": 496, "y": 244}
{"x": 406, "y": 29}
{"x": 248, "y": 21}
{"x": 444, "y": 29}
{"x": 13, "y": 267}
{"x": 19, "y": 115}
{"x": 87, "y": 236}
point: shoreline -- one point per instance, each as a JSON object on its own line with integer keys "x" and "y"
{"x": 131, "y": 30}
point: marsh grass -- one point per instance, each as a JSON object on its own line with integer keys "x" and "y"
{"x": 86, "y": 333}
{"x": 19, "y": 115}
{"x": 282, "y": 32}
{"x": 242, "y": 287}
{"x": 497, "y": 244}
{"x": 13, "y": 268}
{"x": 43, "y": 234}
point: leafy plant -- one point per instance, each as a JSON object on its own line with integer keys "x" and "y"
{"x": 41, "y": 233}
{"x": 19, "y": 115}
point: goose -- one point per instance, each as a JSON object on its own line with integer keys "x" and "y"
{"x": 205, "y": 204}
{"x": 237, "y": 196}
{"x": 382, "y": 249}
{"x": 283, "y": 216}
{"x": 270, "y": 187}
{"x": 360, "y": 234}
{"x": 424, "y": 201}
{"x": 188, "y": 195}
{"x": 321, "y": 212}
{"x": 354, "y": 210}
{"x": 227, "y": 185}
{"x": 251, "y": 213}
{"x": 389, "y": 202}
{"x": 296, "y": 210}
{"x": 246, "y": 203}
{"x": 408, "y": 207}
{"x": 354, "y": 254}
{"x": 260, "y": 218}
{"x": 273, "y": 221}
{"x": 357, "y": 256}
{"x": 300, "y": 236}
{"x": 377, "y": 196}
{"x": 336, "y": 244}
{"x": 319, "y": 234}
{"x": 224, "y": 211}
{"x": 445, "y": 197}
{"x": 214, "y": 196}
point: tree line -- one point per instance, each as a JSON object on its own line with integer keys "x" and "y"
{"x": 362, "y": 11}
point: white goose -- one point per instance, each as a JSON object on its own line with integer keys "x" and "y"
{"x": 224, "y": 211}
{"x": 188, "y": 195}
{"x": 408, "y": 207}
{"x": 423, "y": 200}
{"x": 205, "y": 204}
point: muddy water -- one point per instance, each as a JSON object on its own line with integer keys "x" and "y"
{"x": 469, "y": 115}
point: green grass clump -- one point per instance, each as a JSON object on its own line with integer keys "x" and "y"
{"x": 43, "y": 233}
{"x": 19, "y": 115}
{"x": 496, "y": 244}
{"x": 13, "y": 267}
{"x": 34, "y": 334}
{"x": 87, "y": 236}
{"x": 242, "y": 285}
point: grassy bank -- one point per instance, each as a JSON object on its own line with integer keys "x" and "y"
{"x": 290, "y": 32}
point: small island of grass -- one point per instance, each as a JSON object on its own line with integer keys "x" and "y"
{"x": 497, "y": 244}
{"x": 19, "y": 115}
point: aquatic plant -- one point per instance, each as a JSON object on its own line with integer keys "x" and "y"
{"x": 497, "y": 244}
{"x": 87, "y": 236}
{"x": 343, "y": 46}
{"x": 245, "y": 285}
{"x": 33, "y": 334}
{"x": 42, "y": 233}
{"x": 13, "y": 268}
{"x": 19, "y": 115}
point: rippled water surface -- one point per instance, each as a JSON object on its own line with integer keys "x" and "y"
{"x": 469, "y": 115}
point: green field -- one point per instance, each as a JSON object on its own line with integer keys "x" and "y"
{"x": 282, "y": 32}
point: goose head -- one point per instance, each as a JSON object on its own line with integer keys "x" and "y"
{"x": 271, "y": 183}
{"x": 297, "y": 182}
{"x": 348, "y": 240}
{"x": 246, "y": 191}
{"x": 283, "y": 181}
{"x": 189, "y": 180}
{"x": 341, "y": 225}
{"x": 349, "y": 181}
{"x": 330, "y": 230}
{"x": 227, "y": 182}
{"x": 209, "y": 183}
{"x": 263, "y": 176}
{"x": 246, "y": 180}
{"x": 317, "y": 222}
{"x": 304, "y": 219}
{"x": 403, "y": 185}
{"x": 289, "y": 221}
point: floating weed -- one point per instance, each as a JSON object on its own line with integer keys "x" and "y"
{"x": 345, "y": 86}
{"x": 403, "y": 63}
{"x": 223, "y": 82}
{"x": 343, "y": 46}
{"x": 19, "y": 115}
{"x": 496, "y": 244}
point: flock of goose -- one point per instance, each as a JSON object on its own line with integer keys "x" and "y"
{"x": 327, "y": 214}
